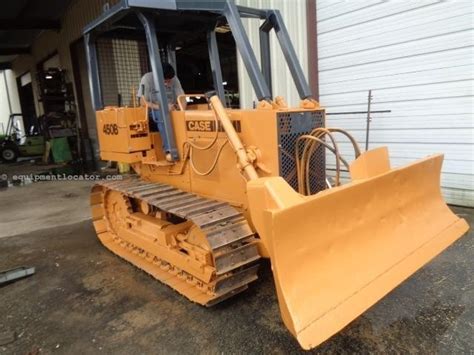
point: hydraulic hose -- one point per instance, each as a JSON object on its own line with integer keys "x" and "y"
{"x": 311, "y": 142}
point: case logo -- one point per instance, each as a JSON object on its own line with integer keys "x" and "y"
{"x": 208, "y": 126}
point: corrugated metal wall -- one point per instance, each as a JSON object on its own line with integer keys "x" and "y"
{"x": 417, "y": 57}
{"x": 294, "y": 15}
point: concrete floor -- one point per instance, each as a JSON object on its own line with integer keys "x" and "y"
{"x": 85, "y": 300}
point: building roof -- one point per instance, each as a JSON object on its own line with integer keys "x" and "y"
{"x": 22, "y": 21}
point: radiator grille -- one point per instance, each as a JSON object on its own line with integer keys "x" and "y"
{"x": 291, "y": 125}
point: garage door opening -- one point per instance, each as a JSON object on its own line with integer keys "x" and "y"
{"x": 27, "y": 101}
{"x": 123, "y": 61}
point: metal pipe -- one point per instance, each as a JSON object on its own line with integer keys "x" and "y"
{"x": 290, "y": 54}
{"x": 215, "y": 64}
{"x": 234, "y": 138}
{"x": 356, "y": 112}
{"x": 93, "y": 72}
{"x": 246, "y": 52}
{"x": 169, "y": 144}
{"x": 265, "y": 57}
{"x": 367, "y": 129}
{"x": 312, "y": 30}
{"x": 8, "y": 92}
{"x": 250, "y": 11}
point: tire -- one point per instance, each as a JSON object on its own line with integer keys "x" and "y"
{"x": 9, "y": 153}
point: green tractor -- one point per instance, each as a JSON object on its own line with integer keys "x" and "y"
{"x": 14, "y": 144}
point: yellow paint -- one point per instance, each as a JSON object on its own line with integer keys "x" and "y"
{"x": 333, "y": 254}
{"x": 336, "y": 253}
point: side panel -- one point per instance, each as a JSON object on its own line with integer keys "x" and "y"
{"x": 123, "y": 130}
{"x": 211, "y": 172}
{"x": 256, "y": 128}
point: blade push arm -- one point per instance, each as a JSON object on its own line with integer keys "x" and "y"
{"x": 234, "y": 139}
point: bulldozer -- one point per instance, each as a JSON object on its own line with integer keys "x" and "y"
{"x": 220, "y": 188}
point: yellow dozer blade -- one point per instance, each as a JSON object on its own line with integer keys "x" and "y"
{"x": 336, "y": 253}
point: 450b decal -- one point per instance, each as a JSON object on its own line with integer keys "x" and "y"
{"x": 110, "y": 129}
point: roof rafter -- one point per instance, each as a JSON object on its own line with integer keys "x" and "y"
{"x": 14, "y": 50}
{"x": 30, "y": 24}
